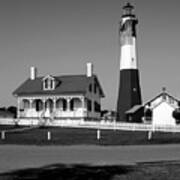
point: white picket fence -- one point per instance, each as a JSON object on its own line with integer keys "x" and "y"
{"x": 121, "y": 126}
{"x": 109, "y": 125}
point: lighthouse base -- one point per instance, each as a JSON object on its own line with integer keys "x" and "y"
{"x": 129, "y": 92}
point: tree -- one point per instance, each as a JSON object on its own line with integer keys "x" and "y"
{"x": 2, "y": 108}
{"x": 13, "y": 110}
{"x": 176, "y": 114}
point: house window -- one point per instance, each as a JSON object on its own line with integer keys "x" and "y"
{"x": 97, "y": 107}
{"x": 38, "y": 105}
{"x": 90, "y": 88}
{"x": 61, "y": 104}
{"x": 95, "y": 88}
{"x": 171, "y": 100}
{"x": 148, "y": 114}
{"x": 72, "y": 105}
{"x": 89, "y": 105}
{"x": 64, "y": 105}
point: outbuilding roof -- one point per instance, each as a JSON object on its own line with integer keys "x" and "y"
{"x": 164, "y": 96}
{"x": 66, "y": 84}
{"x": 134, "y": 109}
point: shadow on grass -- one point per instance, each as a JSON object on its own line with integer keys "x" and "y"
{"x": 163, "y": 170}
{"x": 68, "y": 172}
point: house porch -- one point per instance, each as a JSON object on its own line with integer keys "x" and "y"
{"x": 52, "y": 107}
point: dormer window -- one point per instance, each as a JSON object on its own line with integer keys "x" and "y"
{"x": 48, "y": 83}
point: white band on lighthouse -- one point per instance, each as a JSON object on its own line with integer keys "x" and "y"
{"x": 128, "y": 57}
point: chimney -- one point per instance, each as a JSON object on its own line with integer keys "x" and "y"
{"x": 89, "y": 72}
{"x": 33, "y": 73}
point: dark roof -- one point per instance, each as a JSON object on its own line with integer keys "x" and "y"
{"x": 134, "y": 109}
{"x": 67, "y": 84}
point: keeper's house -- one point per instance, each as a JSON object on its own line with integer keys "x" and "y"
{"x": 58, "y": 98}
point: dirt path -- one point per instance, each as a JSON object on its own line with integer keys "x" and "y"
{"x": 14, "y": 157}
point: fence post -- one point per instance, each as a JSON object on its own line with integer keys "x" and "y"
{"x": 98, "y": 134}
{"x": 3, "y": 135}
{"x": 48, "y": 135}
{"x": 149, "y": 135}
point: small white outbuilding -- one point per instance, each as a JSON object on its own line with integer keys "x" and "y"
{"x": 162, "y": 107}
{"x": 162, "y": 114}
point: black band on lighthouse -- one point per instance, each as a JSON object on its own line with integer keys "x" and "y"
{"x": 129, "y": 92}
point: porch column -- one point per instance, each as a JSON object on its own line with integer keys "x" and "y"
{"x": 68, "y": 103}
{"x": 31, "y": 104}
{"x": 44, "y": 102}
{"x": 54, "y": 106}
{"x": 43, "y": 108}
{"x": 30, "y": 113}
{"x": 83, "y": 103}
{"x": 83, "y": 106}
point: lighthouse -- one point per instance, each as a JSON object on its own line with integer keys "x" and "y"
{"x": 129, "y": 86}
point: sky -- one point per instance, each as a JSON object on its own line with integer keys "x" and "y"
{"x": 60, "y": 36}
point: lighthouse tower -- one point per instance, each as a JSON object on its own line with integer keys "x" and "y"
{"x": 129, "y": 86}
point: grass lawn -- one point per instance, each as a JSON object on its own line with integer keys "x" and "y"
{"x": 8, "y": 127}
{"x": 74, "y": 136}
{"x": 143, "y": 171}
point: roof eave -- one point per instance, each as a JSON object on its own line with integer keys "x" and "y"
{"x": 49, "y": 94}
